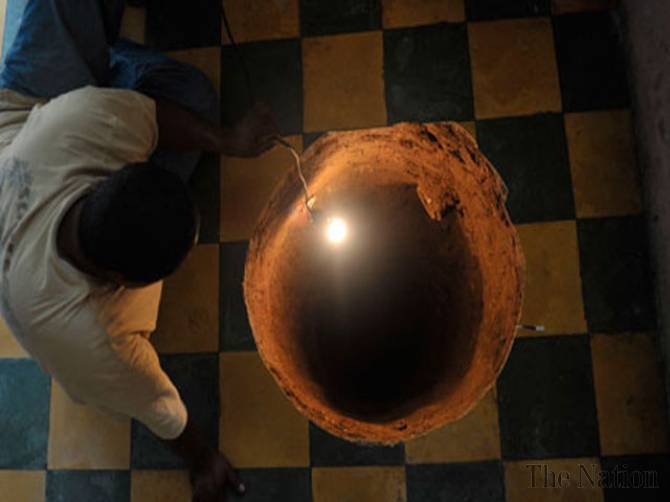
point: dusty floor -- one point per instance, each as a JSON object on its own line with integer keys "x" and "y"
{"x": 545, "y": 94}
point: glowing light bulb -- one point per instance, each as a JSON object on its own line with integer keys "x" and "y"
{"x": 336, "y": 230}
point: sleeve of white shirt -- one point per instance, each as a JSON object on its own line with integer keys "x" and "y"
{"x": 121, "y": 374}
{"x": 112, "y": 127}
{"x": 144, "y": 390}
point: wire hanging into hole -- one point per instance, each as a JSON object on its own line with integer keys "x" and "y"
{"x": 309, "y": 199}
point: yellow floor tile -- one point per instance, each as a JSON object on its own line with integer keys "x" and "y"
{"x": 9, "y": 347}
{"x": 576, "y": 477}
{"x": 401, "y": 13}
{"x": 159, "y": 486}
{"x": 602, "y": 161}
{"x": 246, "y": 186}
{"x": 188, "y": 318}
{"x": 343, "y": 82}
{"x": 629, "y": 394}
{"x": 205, "y": 59}
{"x": 259, "y": 427}
{"x": 133, "y": 25}
{"x": 474, "y": 437}
{"x": 565, "y": 6}
{"x": 514, "y": 68}
{"x": 553, "y": 294}
{"x": 359, "y": 484}
{"x": 252, "y": 20}
{"x": 81, "y": 437}
{"x": 22, "y": 486}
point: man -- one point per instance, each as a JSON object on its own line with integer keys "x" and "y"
{"x": 97, "y": 137}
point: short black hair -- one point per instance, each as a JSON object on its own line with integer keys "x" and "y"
{"x": 140, "y": 222}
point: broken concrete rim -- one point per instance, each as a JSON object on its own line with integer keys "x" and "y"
{"x": 404, "y": 325}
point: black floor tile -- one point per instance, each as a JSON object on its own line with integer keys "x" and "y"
{"x": 479, "y": 10}
{"x": 235, "y": 329}
{"x": 275, "y": 71}
{"x": 310, "y": 137}
{"x": 427, "y": 73}
{"x": 196, "y": 376}
{"x": 327, "y": 450}
{"x": 531, "y": 155}
{"x": 205, "y": 187}
{"x": 590, "y": 62}
{"x": 88, "y": 485}
{"x": 616, "y": 277}
{"x": 546, "y": 399}
{"x": 25, "y": 393}
{"x": 276, "y": 485}
{"x": 173, "y": 24}
{"x": 325, "y": 18}
{"x": 477, "y": 481}
{"x": 644, "y": 478}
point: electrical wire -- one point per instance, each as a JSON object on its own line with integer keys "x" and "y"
{"x": 238, "y": 53}
{"x": 298, "y": 165}
{"x": 309, "y": 199}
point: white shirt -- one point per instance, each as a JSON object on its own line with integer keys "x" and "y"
{"x": 91, "y": 337}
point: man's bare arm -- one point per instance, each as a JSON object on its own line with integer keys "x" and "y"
{"x": 181, "y": 130}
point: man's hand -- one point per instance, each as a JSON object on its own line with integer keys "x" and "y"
{"x": 210, "y": 472}
{"x": 252, "y": 135}
{"x": 180, "y": 130}
{"x": 210, "y": 479}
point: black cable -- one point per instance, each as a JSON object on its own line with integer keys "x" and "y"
{"x": 240, "y": 57}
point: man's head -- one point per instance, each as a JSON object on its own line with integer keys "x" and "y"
{"x": 138, "y": 225}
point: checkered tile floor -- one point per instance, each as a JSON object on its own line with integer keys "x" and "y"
{"x": 543, "y": 89}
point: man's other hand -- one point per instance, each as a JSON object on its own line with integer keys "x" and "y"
{"x": 210, "y": 472}
{"x": 211, "y": 477}
{"x": 253, "y": 134}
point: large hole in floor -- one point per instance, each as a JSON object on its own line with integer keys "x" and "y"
{"x": 384, "y": 322}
